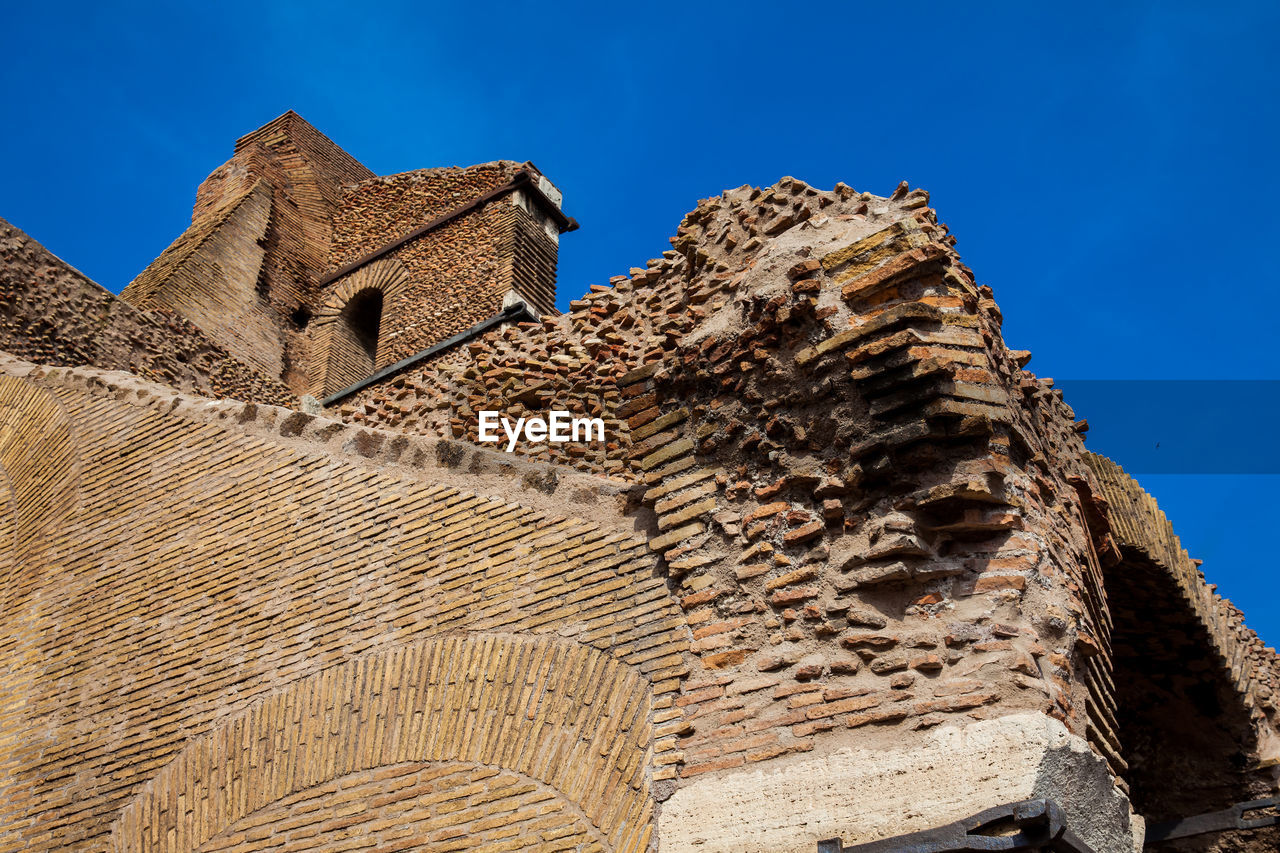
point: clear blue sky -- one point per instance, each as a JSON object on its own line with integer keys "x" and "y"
{"x": 1108, "y": 168}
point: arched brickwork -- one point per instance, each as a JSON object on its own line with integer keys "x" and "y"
{"x": 571, "y": 718}
{"x": 339, "y": 355}
{"x": 222, "y": 552}
{"x": 39, "y": 468}
{"x": 430, "y": 805}
{"x": 1194, "y": 687}
{"x": 39, "y": 483}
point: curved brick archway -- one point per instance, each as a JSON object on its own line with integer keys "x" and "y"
{"x": 1194, "y": 712}
{"x": 39, "y": 469}
{"x": 335, "y": 360}
{"x": 422, "y": 806}
{"x": 419, "y": 806}
{"x": 168, "y": 618}
{"x": 563, "y": 714}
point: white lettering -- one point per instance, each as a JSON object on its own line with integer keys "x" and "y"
{"x": 559, "y": 428}
{"x": 588, "y": 424}
{"x": 488, "y": 423}
{"x": 512, "y": 434}
{"x": 559, "y": 424}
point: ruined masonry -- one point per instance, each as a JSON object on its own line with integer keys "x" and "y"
{"x": 842, "y": 570}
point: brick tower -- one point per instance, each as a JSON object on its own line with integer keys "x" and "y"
{"x": 301, "y": 262}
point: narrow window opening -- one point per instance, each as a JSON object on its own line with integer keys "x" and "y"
{"x": 353, "y": 352}
{"x": 364, "y": 315}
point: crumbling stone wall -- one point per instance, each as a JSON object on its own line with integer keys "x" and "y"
{"x": 50, "y": 313}
{"x": 782, "y": 504}
{"x": 876, "y": 517}
{"x": 837, "y": 532}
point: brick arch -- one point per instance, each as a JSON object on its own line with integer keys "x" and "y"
{"x": 397, "y": 805}
{"x": 39, "y": 488}
{"x": 1194, "y": 707}
{"x": 334, "y": 366}
{"x": 561, "y": 713}
{"x": 39, "y": 469}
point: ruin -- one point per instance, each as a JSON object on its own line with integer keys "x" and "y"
{"x": 841, "y": 570}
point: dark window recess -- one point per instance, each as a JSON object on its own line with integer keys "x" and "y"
{"x": 353, "y": 347}
{"x": 363, "y": 315}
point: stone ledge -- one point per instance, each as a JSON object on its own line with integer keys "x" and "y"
{"x": 552, "y": 488}
{"x": 912, "y": 782}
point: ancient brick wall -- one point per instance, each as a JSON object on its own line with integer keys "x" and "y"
{"x": 530, "y": 252}
{"x": 454, "y": 805}
{"x": 380, "y": 209}
{"x": 306, "y": 171}
{"x": 210, "y": 276}
{"x": 877, "y": 518}
{"x": 345, "y": 334}
{"x": 451, "y": 283}
{"x": 251, "y": 285}
{"x": 457, "y": 274}
{"x": 291, "y": 206}
{"x": 1140, "y": 525}
{"x": 763, "y": 510}
{"x": 1194, "y": 688}
{"x": 242, "y": 608}
{"x": 838, "y": 538}
{"x": 50, "y": 313}
{"x": 843, "y": 484}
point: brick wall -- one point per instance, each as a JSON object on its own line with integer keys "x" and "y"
{"x": 401, "y": 806}
{"x": 832, "y": 512}
{"x": 248, "y": 277}
{"x": 243, "y": 606}
{"x": 767, "y": 499}
{"x": 291, "y": 205}
{"x": 342, "y": 353}
{"x": 52, "y": 314}
{"x": 506, "y": 720}
{"x": 876, "y": 517}
{"x": 451, "y": 283}
{"x": 456, "y": 275}
{"x": 1191, "y": 688}
{"x": 210, "y": 276}
{"x": 530, "y": 251}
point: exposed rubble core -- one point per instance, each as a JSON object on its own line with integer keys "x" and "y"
{"x": 823, "y": 421}
{"x": 842, "y": 567}
{"x": 52, "y": 314}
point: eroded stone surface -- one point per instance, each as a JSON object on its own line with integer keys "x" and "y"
{"x": 887, "y": 786}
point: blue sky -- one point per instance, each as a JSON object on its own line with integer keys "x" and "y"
{"x": 1108, "y": 168}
